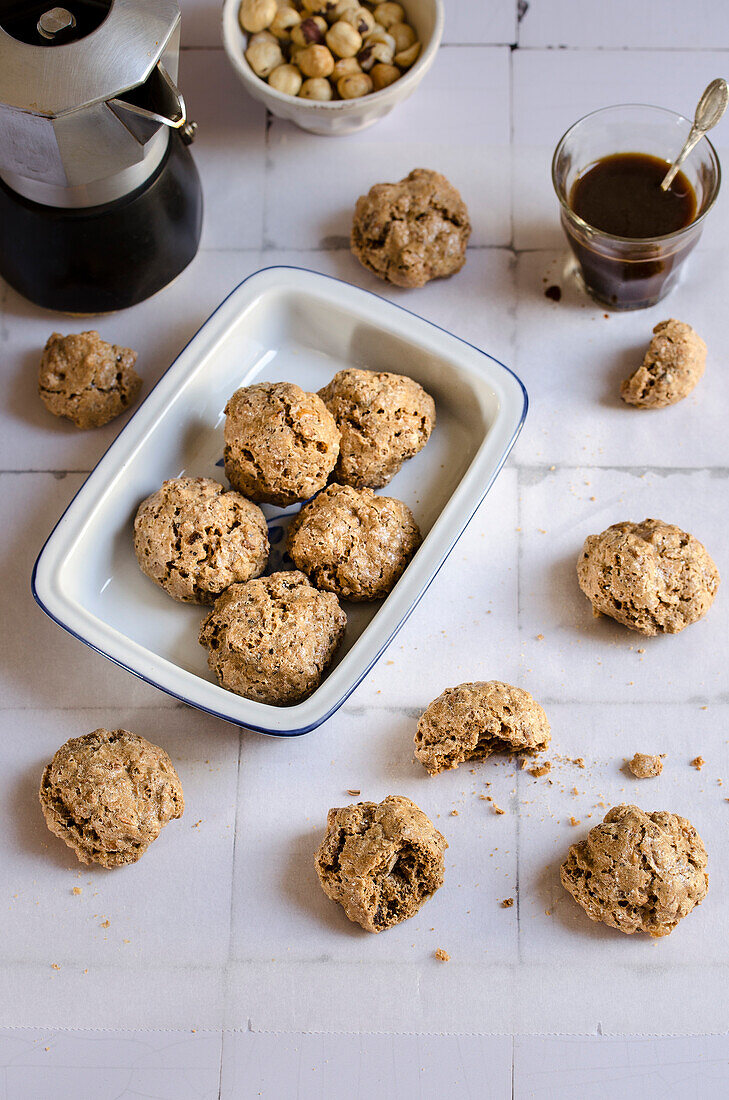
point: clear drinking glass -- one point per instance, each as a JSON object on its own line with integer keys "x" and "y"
{"x": 625, "y": 272}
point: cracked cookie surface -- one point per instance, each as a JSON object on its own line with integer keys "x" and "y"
{"x": 473, "y": 720}
{"x": 652, "y": 577}
{"x": 384, "y": 420}
{"x": 352, "y": 542}
{"x": 672, "y": 366}
{"x": 272, "y": 638}
{"x": 194, "y": 539}
{"x": 412, "y": 231}
{"x": 638, "y": 872}
{"x": 86, "y": 380}
{"x": 281, "y": 444}
{"x": 380, "y": 861}
{"x": 108, "y": 795}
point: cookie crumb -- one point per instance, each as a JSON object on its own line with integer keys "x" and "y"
{"x": 698, "y": 763}
{"x": 55, "y": 966}
{"x": 105, "y": 924}
{"x": 442, "y": 955}
{"x": 77, "y": 890}
{"x": 554, "y": 293}
{"x": 541, "y": 769}
{"x": 497, "y": 809}
{"x": 579, "y": 761}
{"x": 540, "y": 637}
{"x": 353, "y": 792}
{"x": 507, "y": 903}
{"x": 574, "y": 821}
{"x": 454, "y": 813}
{"x": 197, "y": 824}
{"x": 645, "y": 766}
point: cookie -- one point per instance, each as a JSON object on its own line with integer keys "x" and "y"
{"x": 281, "y": 444}
{"x": 86, "y": 380}
{"x": 672, "y": 366}
{"x": 194, "y": 539}
{"x": 352, "y": 542}
{"x": 384, "y": 419}
{"x": 645, "y": 766}
{"x": 272, "y": 639}
{"x": 638, "y": 872}
{"x": 471, "y": 721}
{"x": 380, "y": 861}
{"x": 652, "y": 577}
{"x": 108, "y": 795}
{"x": 412, "y": 231}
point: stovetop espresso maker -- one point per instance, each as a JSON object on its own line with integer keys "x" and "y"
{"x": 100, "y": 200}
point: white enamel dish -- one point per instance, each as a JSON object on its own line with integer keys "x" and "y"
{"x": 287, "y": 324}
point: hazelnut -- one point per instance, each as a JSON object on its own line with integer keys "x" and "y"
{"x": 374, "y": 52}
{"x": 345, "y": 67}
{"x": 335, "y": 14}
{"x": 264, "y": 55}
{"x": 354, "y": 86}
{"x": 284, "y": 21}
{"x": 380, "y": 35}
{"x": 404, "y": 36}
{"x": 318, "y": 7}
{"x": 407, "y": 57}
{"x": 310, "y": 32}
{"x": 361, "y": 19}
{"x": 316, "y": 88}
{"x": 343, "y": 40}
{"x": 387, "y": 14}
{"x": 286, "y": 79}
{"x": 256, "y": 15}
{"x": 315, "y": 61}
{"x": 382, "y": 75}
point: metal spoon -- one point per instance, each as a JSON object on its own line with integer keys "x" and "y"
{"x": 710, "y": 108}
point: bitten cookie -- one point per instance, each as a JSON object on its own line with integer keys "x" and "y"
{"x": 638, "y": 872}
{"x": 673, "y": 364}
{"x": 272, "y": 638}
{"x": 651, "y": 576}
{"x": 281, "y": 444}
{"x": 86, "y": 380}
{"x": 384, "y": 419}
{"x": 108, "y": 795}
{"x": 194, "y": 539}
{"x": 352, "y": 542}
{"x": 380, "y": 861}
{"x": 472, "y": 721}
{"x": 412, "y": 231}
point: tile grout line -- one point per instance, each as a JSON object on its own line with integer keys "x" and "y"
{"x": 226, "y": 968}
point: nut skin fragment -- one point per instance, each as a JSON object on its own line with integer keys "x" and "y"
{"x": 410, "y": 232}
{"x": 108, "y": 795}
{"x": 272, "y": 638}
{"x": 673, "y": 364}
{"x": 380, "y": 861}
{"x": 384, "y": 420}
{"x": 638, "y": 872}
{"x": 194, "y": 539}
{"x": 86, "y": 380}
{"x": 652, "y": 577}
{"x": 473, "y": 720}
{"x": 354, "y": 543}
{"x": 645, "y": 766}
{"x": 281, "y": 444}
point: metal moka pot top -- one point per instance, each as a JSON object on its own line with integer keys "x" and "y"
{"x": 88, "y": 96}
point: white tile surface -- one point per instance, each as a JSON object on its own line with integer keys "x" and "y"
{"x": 654, "y": 24}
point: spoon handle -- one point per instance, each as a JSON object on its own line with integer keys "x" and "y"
{"x": 695, "y": 135}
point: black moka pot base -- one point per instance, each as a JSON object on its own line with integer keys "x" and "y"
{"x": 104, "y": 258}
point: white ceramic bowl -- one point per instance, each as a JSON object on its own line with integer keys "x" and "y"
{"x": 280, "y": 324}
{"x": 345, "y": 115}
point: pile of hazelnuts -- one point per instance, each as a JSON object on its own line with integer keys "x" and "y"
{"x": 327, "y": 49}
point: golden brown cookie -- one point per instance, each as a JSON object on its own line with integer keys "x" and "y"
{"x": 87, "y": 380}
{"x": 471, "y": 721}
{"x": 412, "y": 231}
{"x": 281, "y": 444}
{"x": 108, "y": 795}
{"x": 380, "y": 861}
{"x": 194, "y": 539}
{"x": 352, "y": 542}
{"x": 272, "y": 639}
{"x": 384, "y": 419}
{"x": 638, "y": 872}
{"x": 651, "y": 576}
{"x": 672, "y": 366}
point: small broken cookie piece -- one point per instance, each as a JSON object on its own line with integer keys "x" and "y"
{"x": 86, "y": 380}
{"x": 108, "y": 795}
{"x": 380, "y": 861}
{"x": 410, "y": 232}
{"x": 384, "y": 420}
{"x": 354, "y": 543}
{"x": 272, "y": 638}
{"x": 672, "y": 366}
{"x": 194, "y": 539}
{"x": 281, "y": 444}
{"x": 645, "y": 766}
{"x": 473, "y": 720}
{"x": 652, "y": 577}
{"x": 638, "y": 872}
